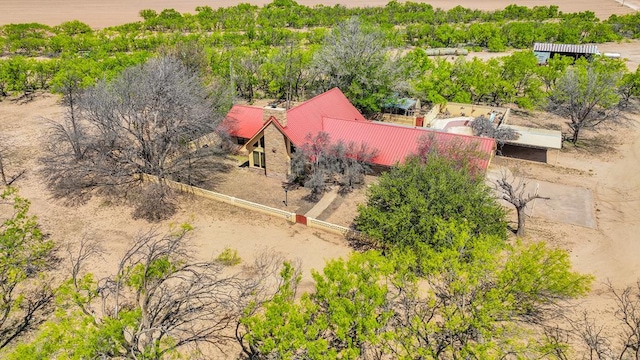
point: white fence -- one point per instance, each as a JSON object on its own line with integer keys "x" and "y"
{"x": 289, "y": 216}
{"x": 329, "y": 227}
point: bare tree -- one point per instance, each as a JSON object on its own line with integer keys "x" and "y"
{"x": 163, "y": 298}
{"x": 319, "y": 163}
{"x": 514, "y": 191}
{"x": 593, "y": 336}
{"x": 586, "y": 95}
{"x": 5, "y": 150}
{"x": 481, "y": 126}
{"x": 628, "y": 313}
{"x": 3, "y": 175}
{"x": 142, "y": 122}
{"x": 620, "y": 340}
{"x": 71, "y": 130}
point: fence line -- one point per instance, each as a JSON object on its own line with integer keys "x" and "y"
{"x": 208, "y": 194}
{"x": 329, "y": 227}
{"x": 245, "y": 204}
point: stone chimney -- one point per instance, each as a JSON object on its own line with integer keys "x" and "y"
{"x": 277, "y": 112}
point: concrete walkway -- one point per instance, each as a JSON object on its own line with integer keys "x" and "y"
{"x": 324, "y": 203}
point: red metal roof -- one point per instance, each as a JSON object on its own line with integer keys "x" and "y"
{"x": 307, "y": 117}
{"x": 332, "y": 113}
{"x": 243, "y": 121}
{"x": 394, "y": 142}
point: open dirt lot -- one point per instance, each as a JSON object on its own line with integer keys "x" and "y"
{"x": 100, "y": 14}
{"x": 216, "y": 225}
{"x": 609, "y": 171}
{"x": 560, "y": 203}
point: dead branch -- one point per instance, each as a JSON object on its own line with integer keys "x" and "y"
{"x": 514, "y": 191}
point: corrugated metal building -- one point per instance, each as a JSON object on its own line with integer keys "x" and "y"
{"x": 544, "y": 51}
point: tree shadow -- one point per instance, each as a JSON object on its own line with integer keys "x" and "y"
{"x": 598, "y": 145}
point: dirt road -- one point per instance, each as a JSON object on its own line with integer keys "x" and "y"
{"x": 99, "y": 14}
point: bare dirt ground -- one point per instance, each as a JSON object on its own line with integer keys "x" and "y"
{"x": 607, "y": 164}
{"x": 99, "y": 14}
{"x": 252, "y": 185}
{"x": 608, "y": 168}
{"x": 216, "y": 225}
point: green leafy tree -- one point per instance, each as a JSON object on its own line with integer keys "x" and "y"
{"x": 354, "y": 58}
{"x": 482, "y": 301}
{"x": 475, "y": 299}
{"x": 342, "y": 319}
{"x": 630, "y": 86}
{"x": 555, "y": 68}
{"x": 25, "y": 256}
{"x": 406, "y": 205}
{"x": 519, "y": 72}
{"x": 74, "y": 27}
{"x": 433, "y": 78}
{"x": 159, "y": 303}
{"x": 587, "y": 95}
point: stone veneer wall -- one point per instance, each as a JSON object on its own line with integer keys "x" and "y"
{"x": 275, "y": 153}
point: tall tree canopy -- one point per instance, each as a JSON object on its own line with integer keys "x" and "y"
{"x": 406, "y": 205}
{"x": 587, "y": 95}
{"x": 354, "y": 58}
{"x": 142, "y": 122}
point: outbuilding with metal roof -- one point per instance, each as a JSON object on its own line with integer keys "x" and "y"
{"x": 544, "y": 51}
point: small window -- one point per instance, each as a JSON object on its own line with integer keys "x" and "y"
{"x": 260, "y": 143}
{"x": 259, "y": 159}
{"x": 292, "y": 148}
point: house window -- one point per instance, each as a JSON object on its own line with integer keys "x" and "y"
{"x": 258, "y": 154}
{"x": 258, "y": 159}
{"x": 292, "y": 148}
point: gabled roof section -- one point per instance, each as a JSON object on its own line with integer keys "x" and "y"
{"x": 243, "y": 121}
{"x": 332, "y": 113}
{"x": 272, "y": 120}
{"x": 307, "y": 117}
{"x": 394, "y": 142}
{"x": 566, "y": 48}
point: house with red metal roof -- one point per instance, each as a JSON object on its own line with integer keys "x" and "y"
{"x": 270, "y": 135}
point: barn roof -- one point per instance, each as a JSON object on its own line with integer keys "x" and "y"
{"x": 566, "y": 48}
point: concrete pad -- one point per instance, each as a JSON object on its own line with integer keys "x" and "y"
{"x": 566, "y": 204}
